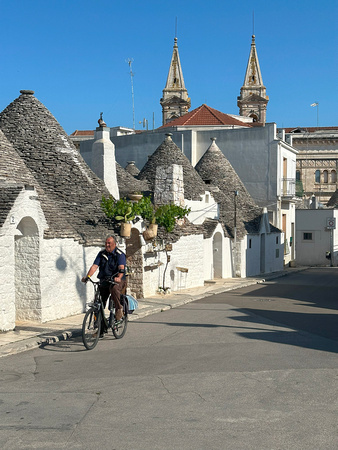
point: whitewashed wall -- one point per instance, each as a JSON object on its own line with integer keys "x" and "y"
{"x": 63, "y": 263}
{"x": 187, "y": 253}
{"x": 25, "y": 206}
{"x": 224, "y": 253}
{"x": 207, "y": 208}
{"x": 313, "y": 252}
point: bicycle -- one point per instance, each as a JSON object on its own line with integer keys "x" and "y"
{"x": 95, "y": 317}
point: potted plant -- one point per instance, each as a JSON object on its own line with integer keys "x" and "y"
{"x": 126, "y": 222}
{"x": 151, "y": 231}
{"x": 146, "y": 210}
{"x": 135, "y": 196}
{"x": 121, "y": 210}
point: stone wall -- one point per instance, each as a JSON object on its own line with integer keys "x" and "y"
{"x": 135, "y": 264}
{"x": 169, "y": 186}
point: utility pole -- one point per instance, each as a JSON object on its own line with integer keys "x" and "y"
{"x": 235, "y": 232}
{"x": 129, "y": 61}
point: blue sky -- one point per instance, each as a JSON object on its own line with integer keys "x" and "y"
{"x": 73, "y": 54}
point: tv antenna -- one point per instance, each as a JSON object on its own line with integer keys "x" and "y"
{"x": 130, "y": 61}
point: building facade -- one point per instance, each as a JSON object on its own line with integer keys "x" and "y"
{"x": 317, "y": 161}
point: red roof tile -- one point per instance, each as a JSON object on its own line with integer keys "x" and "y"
{"x": 83, "y": 133}
{"x": 204, "y": 115}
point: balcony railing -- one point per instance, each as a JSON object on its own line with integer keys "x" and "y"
{"x": 288, "y": 187}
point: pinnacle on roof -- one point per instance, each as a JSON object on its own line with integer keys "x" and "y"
{"x": 175, "y": 101}
{"x": 253, "y": 76}
{"x": 205, "y": 115}
{"x": 253, "y": 99}
{"x": 175, "y": 80}
{"x": 166, "y": 154}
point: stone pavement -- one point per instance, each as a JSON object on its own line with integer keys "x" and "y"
{"x": 29, "y": 335}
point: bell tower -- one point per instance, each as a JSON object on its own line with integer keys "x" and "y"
{"x": 175, "y": 101}
{"x": 253, "y": 100}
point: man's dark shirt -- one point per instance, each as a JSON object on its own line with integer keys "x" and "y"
{"x": 109, "y": 262}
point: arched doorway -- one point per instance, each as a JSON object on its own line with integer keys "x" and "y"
{"x": 27, "y": 271}
{"x": 217, "y": 255}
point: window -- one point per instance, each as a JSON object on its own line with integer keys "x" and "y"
{"x": 317, "y": 176}
{"x": 326, "y": 176}
{"x": 298, "y": 175}
{"x": 277, "y": 252}
{"x": 333, "y": 176}
{"x": 277, "y": 240}
{"x": 307, "y": 236}
{"x": 249, "y": 243}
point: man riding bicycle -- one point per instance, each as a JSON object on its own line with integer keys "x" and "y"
{"x": 110, "y": 261}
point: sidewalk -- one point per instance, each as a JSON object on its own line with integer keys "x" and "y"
{"x": 29, "y": 335}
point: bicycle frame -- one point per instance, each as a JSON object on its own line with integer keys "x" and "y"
{"x": 97, "y": 304}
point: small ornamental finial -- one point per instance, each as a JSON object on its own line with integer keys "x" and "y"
{"x": 101, "y": 122}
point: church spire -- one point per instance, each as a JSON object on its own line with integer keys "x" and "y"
{"x": 175, "y": 101}
{"x": 253, "y": 100}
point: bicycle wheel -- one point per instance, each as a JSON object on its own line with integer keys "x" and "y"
{"x": 91, "y": 328}
{"x": 119, "y": 327}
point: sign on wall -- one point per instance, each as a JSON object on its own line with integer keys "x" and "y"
{"x": 331, "y": 223}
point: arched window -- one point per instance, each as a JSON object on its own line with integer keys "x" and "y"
{"x": 326, "y": 176}
{"x": 333, "y": 176}
{"x": 298, "y": 175}
{"x": 317, "y": 176}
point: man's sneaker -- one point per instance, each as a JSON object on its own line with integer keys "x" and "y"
{"x": 119, "y": 314}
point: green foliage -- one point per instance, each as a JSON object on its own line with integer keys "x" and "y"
{"x": 145, "y": 209}
{"x": 166, "y": 215}
{"x": 121, "y": 210}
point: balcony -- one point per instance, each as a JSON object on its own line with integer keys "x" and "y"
{"x": 288, "y": 187}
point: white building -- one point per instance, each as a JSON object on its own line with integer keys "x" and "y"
{"x": 317, "y": 237}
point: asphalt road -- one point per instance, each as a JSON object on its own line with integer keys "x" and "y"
{"x": 254, "y": 368}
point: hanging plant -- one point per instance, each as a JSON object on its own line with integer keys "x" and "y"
{"x": 167, "y": 215}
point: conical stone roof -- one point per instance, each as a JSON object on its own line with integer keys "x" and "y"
{"x": 14, "y": 175}
{"x": 69, "y": 186}
{"x": 132, "y": 169}
{"x": 127, "y": 183}
{"x": 215, "y": 169}
{"x": 167, "y": 154}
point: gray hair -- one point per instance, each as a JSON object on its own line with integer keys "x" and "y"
{"x": 111, "y": 236}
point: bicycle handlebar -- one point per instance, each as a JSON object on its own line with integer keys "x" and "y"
{"x": 109, "y": 279}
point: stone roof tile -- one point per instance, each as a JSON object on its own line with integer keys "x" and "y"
{"x": 215, "y": 169}
{"x": 69, "y": 188}
{"x": 8, "y": 195}
{"x": 166, "y": 154}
